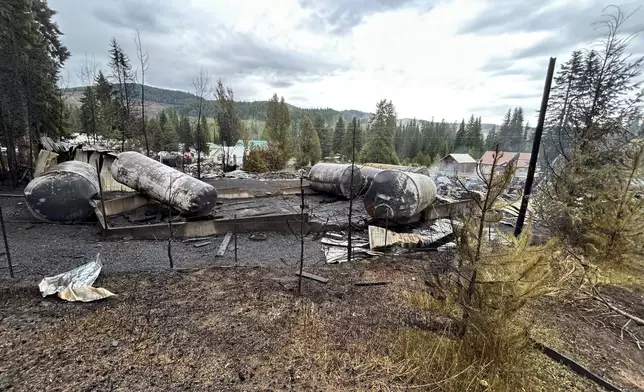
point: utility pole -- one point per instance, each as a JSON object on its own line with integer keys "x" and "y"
{"x": 536, "y": 143}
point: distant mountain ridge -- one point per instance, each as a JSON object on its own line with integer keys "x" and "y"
{"x": 160, "y": 98}
{"x": 185, "y": 102}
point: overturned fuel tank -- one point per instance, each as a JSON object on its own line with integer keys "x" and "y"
{"x": 152, "y": 178}
{"x": 64, "y": 193}
{"x": 411, "y": 169}
{"x": 398, "y": 195}
{"x": 369, "y": 172}
{"x": 336, "y": 179}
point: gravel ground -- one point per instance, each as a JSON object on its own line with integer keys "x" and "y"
{"x": 40, "y": 249}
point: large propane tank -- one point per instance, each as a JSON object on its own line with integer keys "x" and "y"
{"x": 153, "y": 179}
{"x": 399, "y": 195}
{"x": 64, "y": 193}
{"x": 369, "y": 172}
{"x": 411, "y": 169}
{"x": 336, "y": 179}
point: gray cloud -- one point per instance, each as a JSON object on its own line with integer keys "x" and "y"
{"x": 339, "y": 17}
{"x": 243, "y": 61}
{"x": 573, "y": 23}
{"x": 245, "y": 53}
{"x": 146, "y": 15}
{"x": 516, "y": 96}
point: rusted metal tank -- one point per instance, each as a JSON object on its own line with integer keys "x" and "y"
{"x": 336, "y": 179}
{"x": 155, "y": 180}
{"x": 398, "y": 195}
{"x": 411, "y": 169}
{"x": 63, "y": 194}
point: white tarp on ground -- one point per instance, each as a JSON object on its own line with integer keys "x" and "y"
{"x": 76, "y": 285}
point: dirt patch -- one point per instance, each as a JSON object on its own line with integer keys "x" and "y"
{"x": 241, "y": 328}
{"x": 587, "y": 331}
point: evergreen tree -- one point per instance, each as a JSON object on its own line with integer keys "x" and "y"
{"x": 184, "y": 131}
{"x": 527, "y": 137}
{"x": 226, "y": 118}
{"x": 515, "y": 142}
{"x": 310, "y": 150}
{"x": 202, "y": 136}
{"x": 30, "y": 101}
{"x": 88, "y": 112}
{"x": 338, "y": 136}
{"x": 278, "y": 121}
{"x": 596, "y": 99}
{"x": 492, "y": 139}
{"x": 324, "y": 134}
{"x": 461, "y": 137}
{"x": 380, "y": 146}
{"x": 106, "y": 110}
{"x": 557, "y": 139}
{"x": 348, "y": 143}
{"x": 122, "y": 74}
{"x": 505, "y": 131}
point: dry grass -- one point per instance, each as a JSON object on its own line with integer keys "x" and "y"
{"x": 322, "y": 360}
{"x": 628, "y": 274}
{"x": 502, "y": 361}
{"x": 422, "y": 300}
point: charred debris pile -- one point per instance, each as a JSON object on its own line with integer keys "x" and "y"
{"x": 134, "y": 196}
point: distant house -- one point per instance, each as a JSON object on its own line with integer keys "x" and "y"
{"x": 234, "y": 154}
{"x": 523, "y": 162}
{"x": 458, "y": 164}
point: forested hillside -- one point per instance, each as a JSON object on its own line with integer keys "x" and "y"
{"x": 187, "y": 103}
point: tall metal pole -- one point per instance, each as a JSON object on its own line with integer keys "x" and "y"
{"x": 99, "y": 167}
{"x": 536, "y": 143}
{"x": 299, "y": 281}
{"x": 6, "y": 244}
{"x": 353, "y": 164}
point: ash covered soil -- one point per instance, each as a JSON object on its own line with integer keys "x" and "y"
{"x": 42, "y": 249}
{"x": 206, "y": 326}
{"x": 227, "y": 329}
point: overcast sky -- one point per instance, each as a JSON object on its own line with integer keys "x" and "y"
{"x": 432, "y": 58}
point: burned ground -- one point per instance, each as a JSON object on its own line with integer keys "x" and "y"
{"x": 209, "y": 326}
{"x": 227, "y": 329}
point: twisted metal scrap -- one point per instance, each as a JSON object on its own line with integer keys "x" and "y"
{"x": 76, "y": 285}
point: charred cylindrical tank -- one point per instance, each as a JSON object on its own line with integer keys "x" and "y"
{"x": 336, "y": 179}
{"x": 64, "y": 193}
{"x": 399, "y": 195}
{"x": 160, "y": 182}
{"x": 411, "y": 169}
{"x": 369, "y": 172}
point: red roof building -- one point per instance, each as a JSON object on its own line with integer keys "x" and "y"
{"x": 523, "y": 161}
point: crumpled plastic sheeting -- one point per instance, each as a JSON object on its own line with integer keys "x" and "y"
{"x": 76, "y": 285}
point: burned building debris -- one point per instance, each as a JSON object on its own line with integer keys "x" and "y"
{"x": 142, "y": 196}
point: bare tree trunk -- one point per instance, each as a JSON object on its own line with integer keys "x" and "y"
{"x": 199, "y": 140}
{"x": 143, "y": 59}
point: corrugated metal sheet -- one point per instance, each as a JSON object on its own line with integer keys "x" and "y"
{"x": 108, "y": 182}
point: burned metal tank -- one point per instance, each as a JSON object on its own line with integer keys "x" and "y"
{"x": 152, "y": 178}
{"x": 64, "y": 193}
{"x": 369, "y": 172}
{"x": 411, "y": 169}
{"x": 336, "y": 179}
{"x": 398, "y": 195}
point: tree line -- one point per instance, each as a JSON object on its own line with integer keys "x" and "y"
{"x": 115, "y": 106}
{"x": 32, "y": 58}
